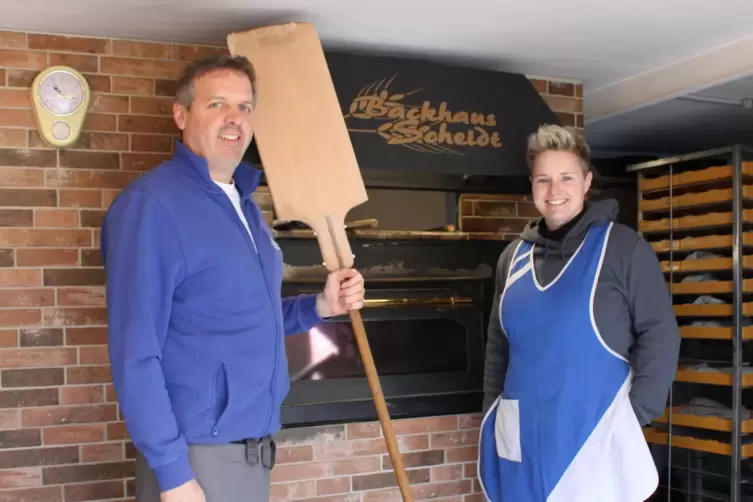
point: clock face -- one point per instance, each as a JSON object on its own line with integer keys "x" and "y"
{"x": 61, "y": 93}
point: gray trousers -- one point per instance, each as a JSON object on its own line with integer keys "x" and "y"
{"x": 221, "y": 470}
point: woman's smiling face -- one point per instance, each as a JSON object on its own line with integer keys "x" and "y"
{"x": 560, "y": 185}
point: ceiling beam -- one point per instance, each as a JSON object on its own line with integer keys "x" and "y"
{"x": 692, "y": 74}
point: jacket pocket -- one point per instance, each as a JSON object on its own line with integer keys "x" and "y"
{"x": 507, "y": 430}
{"x": 220, "y": 396}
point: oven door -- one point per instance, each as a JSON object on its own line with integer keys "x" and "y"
{"x": 428, "y": 348}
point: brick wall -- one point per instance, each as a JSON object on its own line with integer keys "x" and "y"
{"x": 61, "y": 437}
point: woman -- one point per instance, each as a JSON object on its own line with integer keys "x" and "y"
{"x": 578, "y": 298}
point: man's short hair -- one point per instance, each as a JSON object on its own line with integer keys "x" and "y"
{"x": 553, "y": 137}
{"x": 184, "y": 93}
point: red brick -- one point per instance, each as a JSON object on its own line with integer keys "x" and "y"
{"x": 364, "y": 430}
{"x": 21, "y": 177}
{"x": 294, "y": 454}
{"x": 56, "y": 218}
{"x": 356, "y": 465}
{"x": 293, "y": 491}
{"x": 562, "y": 88}
{"x": 27, "y": 297}
{"x": 74, "y": 178}
{"x": 333, "y": 486}
{"x": 84, "y": 394}
{"x": 26, "y": 398}
{"x": 8, "y": 338}
{"x": 449, "y": 472}
{"x": 147, "y": 50}
{"x": 19, "y": 277}
{"x": 116, "y": 431}
{"x": 38, "y": 456}
{"x": 12, "y": 39}
{"x": 107, "y": 452}
{"x": 94, "y": 491}
{"x": 2, "y": 77}
{"x": 87, "y": 472}
{"x": 133, "y": 86}
{"x": 143, "y": 161}
{"x": 20, "y": 438}
{"x": 464, "y": 454}
{"x": 65, "y": 415}
{"x": 46, "y": 257}
{"x": 452, "y": 439}
{"x": 295, "y": 472}
{"x": 23, "y": 59}
{"x": 17, "y": 118}
{"x": 88, "y": 375}
{"x": 100, "y": 122}
{"x": 92, "y": 297}
{"x": 539, "y": 85}
{"x": 19, "y": 317}
{"x": 14, "y": 98}
{"x": 10, "y": 419}
{"x": 75, "y": 316}
{"x": 27, "y": 198}
{"x": 36, "y": 377}
{"x": 93, "y": 355}
{"x": 6, "y": 258}
{"x": 416, "y": 459}
{"x": 24, "y": 157}
{"x": 16, "y": 218}
{"x": 69, "y": 44}
{"x": 81, "y": 62}
{"x": 98, "y": 83}
{"x": 140, "y": 67}
{"x": 28, "y": 477}
{"x": 150, "y": 106}
{"x": 469, "y": 421}
{"x": 20, "y": 78}
{"x": 12, "y": 138}
{"x": 80, "y": 198}
{"x": 566, "y": 119}
{"x": 152, "y": 143}
{"x": 146, "y": 124}
{"x": 45, "y": 238}
{"x": 165, "y": 88}
{"x": 85, "y": 336}
{"x": 89, "y": 160}
{"x": 41, "y": 337}
{"x": 74, "y": 434}
{"x": 48, "y": 494}
{"x": 37, "y": 357}
{"x": 91, "y": 258}
{"x": 112, "y": 396}
{"x": 109, "y": 104}
{"x": 74, "y": 277}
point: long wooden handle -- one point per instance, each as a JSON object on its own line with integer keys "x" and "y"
{"x": 338, "y": 240}
{"x": 381, "y": 406}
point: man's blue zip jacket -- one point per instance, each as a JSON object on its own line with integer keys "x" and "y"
{"x": 196, "y": 314}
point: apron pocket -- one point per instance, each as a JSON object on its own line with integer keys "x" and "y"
{"x": 507, "y": 430}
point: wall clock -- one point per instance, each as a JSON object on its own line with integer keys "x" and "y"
{"x": 60, "y": 97}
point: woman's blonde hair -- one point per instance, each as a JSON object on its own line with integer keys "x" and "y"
{"x": 553, "y": 137}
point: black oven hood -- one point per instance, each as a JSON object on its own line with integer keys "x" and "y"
{"x": 422, "y": 124}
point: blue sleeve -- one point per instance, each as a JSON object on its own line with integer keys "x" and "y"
{"x": 299, "y": 313}
{"x": 143, "y": 264}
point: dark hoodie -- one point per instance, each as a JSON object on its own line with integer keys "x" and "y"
{"x": 632, "y": 306}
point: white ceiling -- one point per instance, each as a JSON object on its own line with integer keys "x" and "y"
{"x": 628, "y": 54}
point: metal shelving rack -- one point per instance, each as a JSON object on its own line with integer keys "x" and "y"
{"x": 696, "y": 211}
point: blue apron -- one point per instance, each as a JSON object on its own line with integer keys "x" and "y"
{"x": 563, "y": 429}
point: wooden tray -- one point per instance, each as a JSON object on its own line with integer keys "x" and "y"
{"x": 693, "y": 199}
{"x": 711, "y": 377}
{"x": 690, "y": 443}
{"x": 713, "y": 333}
{"x": 692, "y": 222}
{"x": 684, "y": 419}
{"x": 704, "y": 265}
{"x": 699, "y": 243}
{"x": 688, "y": 178}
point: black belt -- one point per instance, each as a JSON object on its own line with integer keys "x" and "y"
{"x": 257, "y": 450}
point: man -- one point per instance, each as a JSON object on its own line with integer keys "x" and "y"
{"x": 196, "y": 318}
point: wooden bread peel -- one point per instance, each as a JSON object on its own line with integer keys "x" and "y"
{"x": 309, "y": 162}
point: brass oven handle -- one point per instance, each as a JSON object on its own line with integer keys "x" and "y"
{"x": 416, "y": 302}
